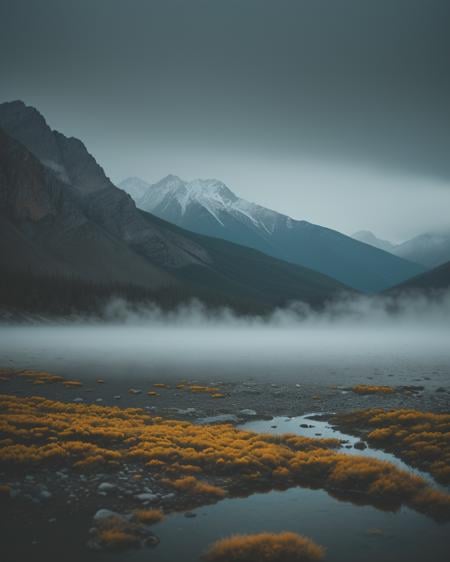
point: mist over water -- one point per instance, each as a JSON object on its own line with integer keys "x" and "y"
{"x": 350, "y": 339}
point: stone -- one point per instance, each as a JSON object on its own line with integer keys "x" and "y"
{"x": 106, "y": 487}
{"x": 247, "y": 412}
{"x": 103, "y": 513}
{"x": 146, "y": 497}
{"x": 152, "y": 540}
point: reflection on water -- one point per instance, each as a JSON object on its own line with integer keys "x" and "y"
{"x": 350, "y": 533}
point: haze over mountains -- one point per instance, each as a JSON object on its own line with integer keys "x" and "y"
{"x": 428, "y": 249}
{"x": 210, "y": 207}
{"x": 61, "y": 215}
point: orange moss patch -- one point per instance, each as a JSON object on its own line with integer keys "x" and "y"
{"x": 72, "y": 384}
{"x": 50, "y": 433}
{"x": 40, "y": 377}
{"x": 193, "y": 486}
{"x": 5, "y": 491}
{"x": 116, "y": 539}
{"x": 114, "y": 533}
{"x": 148, "y": 516}
{"x": 198, "y": 389}
{"x": 422, "y": 439}
{"x": 372, "y": 389}
{"x": 265, "y": 547}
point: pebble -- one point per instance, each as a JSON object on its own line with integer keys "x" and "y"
{"x": 105, "y": 514}
{"x": 146, "y": 497}
{"x": 106, "y": 487}
{"x": 45, "y": 495}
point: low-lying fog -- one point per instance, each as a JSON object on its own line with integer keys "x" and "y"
{"x": 341, "y": 345}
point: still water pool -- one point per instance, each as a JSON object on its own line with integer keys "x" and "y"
{"x": 349, "y": 532}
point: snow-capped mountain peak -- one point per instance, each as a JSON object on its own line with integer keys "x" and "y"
{"x": 172, "y": 196}
{"x": 209, "y": 207}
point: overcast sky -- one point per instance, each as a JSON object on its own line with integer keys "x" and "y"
{"x": 337, "y": 112}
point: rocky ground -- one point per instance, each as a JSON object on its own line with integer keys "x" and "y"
{"x": 238, "y": 401}
{"x": 41, "y": 501}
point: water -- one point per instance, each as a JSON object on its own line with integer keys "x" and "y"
{"x": 318, "y": 355}
{"x": 350, "y": 533}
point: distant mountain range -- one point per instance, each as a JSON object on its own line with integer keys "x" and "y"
{"x": 61, "y": 215}
{"x": 209, "y": 207}
{"x": 429, "y": 249}
{"x": 434, "y": 280}
{"x": 369, "y": 238}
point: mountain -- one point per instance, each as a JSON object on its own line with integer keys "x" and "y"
{"x": 433, "y": 280}
{"x": 428, "y": 250}
{"x": 369, "y": 238}
{"x": 61, "y": 215}
{"x": 136, "y": 187}
{"x": 209, "y": 207}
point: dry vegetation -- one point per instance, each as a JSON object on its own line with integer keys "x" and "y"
{"x": 36, "y": 432}
{"x": 119, "y": 533}
{"x": 192, "y": 486}
{"x": 422, "y": 439}
{"x": 265, "y": 547}
{"x": 372, "y": 389}
{"x": 148, "y": 516}
{"x": 37, "y": 377}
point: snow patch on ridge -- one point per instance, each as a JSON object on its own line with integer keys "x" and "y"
{"x": 209, "y": 194}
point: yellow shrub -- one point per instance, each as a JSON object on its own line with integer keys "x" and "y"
{"x": 372, "y": 389}
{"x": 265, "y": 547}
{"x": 148, "y": 516}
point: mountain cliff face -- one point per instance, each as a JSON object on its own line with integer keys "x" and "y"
{"x": 209, "y": 207}
{"x": 108, "y": 206}
{"x": 60, "y": 214}
{"x": 45, "y": 228}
